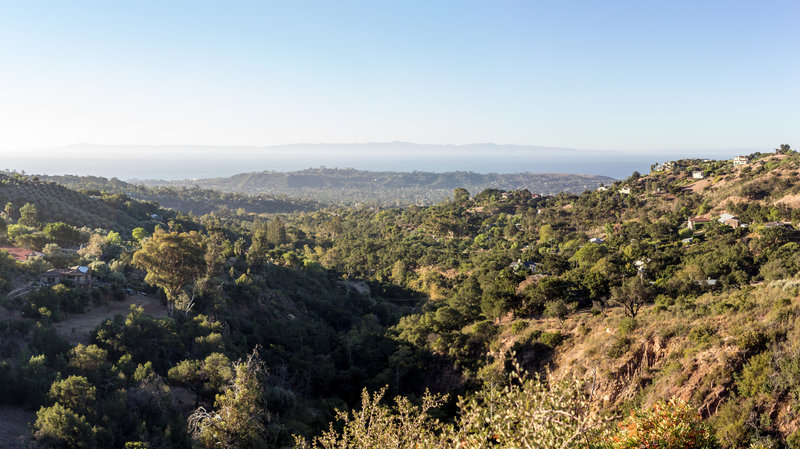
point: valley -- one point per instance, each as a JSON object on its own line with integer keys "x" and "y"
{"x": 679, "y": 285}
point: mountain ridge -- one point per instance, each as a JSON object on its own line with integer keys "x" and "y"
{"x": 386, "y": 187}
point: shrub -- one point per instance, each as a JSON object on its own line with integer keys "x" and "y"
{"x": 755, "y": 376}
{"x": 551, "y": 339}
{"x": 58, "y": 426}
{"x": 518, "y": 326}
{"x": 701, "y": 334}
{"x": 626, "y": 326}
{"x": 525, "y": 413}
{"x": 735, "y": 422}
{"x": 619, "y": 347}
{"x": 667, "y": 425}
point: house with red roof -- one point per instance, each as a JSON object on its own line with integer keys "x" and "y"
{"x": 21, "y": 254}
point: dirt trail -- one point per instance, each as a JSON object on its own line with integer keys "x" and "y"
{"x": 14, "y": 431}
{"x": 76, "y": 328}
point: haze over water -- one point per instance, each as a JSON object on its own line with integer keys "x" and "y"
{"x": 184, "y": 162}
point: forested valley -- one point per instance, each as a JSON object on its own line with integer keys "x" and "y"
{"x": 659, "y": 311}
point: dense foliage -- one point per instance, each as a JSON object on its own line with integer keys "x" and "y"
{"x": 349, "y": 186}
{"x": 626, "y": 304}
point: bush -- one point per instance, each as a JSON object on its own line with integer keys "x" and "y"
{"x": 551, "y": 339}
{"x": 58, "y": 426}
{"x": 754, "y": 378}
{"x": 526, "y": 413}
{"x": 626, "y": 326}
{"x": 701, "y": 334}
{"x": 667, "y": 425}
{"x": 518, "y": 326}
{"x": 735, "y": 422}
{"x": 619, "y": 347}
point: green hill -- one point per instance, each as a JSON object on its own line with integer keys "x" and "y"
{"x": 680, "y": 285}
{"x": 58, "y": 203}
{"x": 349, "y": 186}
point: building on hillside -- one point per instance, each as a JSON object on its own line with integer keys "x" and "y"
{"x": 602, "y": 188}
{"x": 666, "y": 166}
{"x": 77, "y": 274}
{"x": 520, "y": 265}
{"x": 597, "y": 240}
{"x": 695, "y": 222}
{"x": 625, "y": 190}
{"x": 776, "y": 224}
{"x": 641, "y": 264}
{"x": 731, "y": 220}
{"x": 697, "y": 175}
{"x": 740, "y": 160}
{"x": 21, "y": 254}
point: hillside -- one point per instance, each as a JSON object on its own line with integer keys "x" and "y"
{"x": 348, "y": 186}
{"x": 58, "y": 203}
{"x": 679, "y": 285}
{"x": 191, "y": 199}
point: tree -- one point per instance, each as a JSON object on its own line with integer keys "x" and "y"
{"x": 29, "y": 215}
{"x": 259, "y": 248}
{"x": 173, "y": 261}
{"x": 58, "y": 426}
{"x": 95, "y": 247}
{"x": 9, "y": 209}
{"x": 90, "y": 361}
{"x": 546, "y": 234}
{"x": 558, "y": 309}
{"x": 206, "y": 377}
{"x": 113, "y": 238}
{"x": 63, "y": 233}
{"x": 632, "y": 295}
{"x": 276, "y": 232}
{"x": 238, "y": 420}
{"x": 139, "y": 234}
{"x": 399, "y": 272}
{"x": 74, "y": 392}
{"x": 460, "y": 195}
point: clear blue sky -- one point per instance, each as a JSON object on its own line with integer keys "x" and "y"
{"x": 631, "y": 76}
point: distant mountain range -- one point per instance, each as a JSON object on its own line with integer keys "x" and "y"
{"x": 195, "y": 161}
{"x": 385, "y": 187}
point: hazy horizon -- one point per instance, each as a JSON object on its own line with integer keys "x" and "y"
{"x": 636, "y": 78}
{"x": 174, "y": 162}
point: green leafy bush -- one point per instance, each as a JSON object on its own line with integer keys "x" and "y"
{"x": 528, "y": 412}
{"x": 667, "y": 425}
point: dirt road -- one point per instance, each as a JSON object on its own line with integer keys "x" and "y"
{"x": 76, "y": 328}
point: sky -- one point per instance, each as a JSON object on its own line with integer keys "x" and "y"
{"x": 631, "y": 76}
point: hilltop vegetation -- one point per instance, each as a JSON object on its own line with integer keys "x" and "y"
{"x": 188, "y": 199}
{"x": 349, "y": 186}
{"x": 612, "y": 308}
{"x": 55, "y": 202}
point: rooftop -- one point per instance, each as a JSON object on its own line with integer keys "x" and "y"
{"x": 20, "y": 254}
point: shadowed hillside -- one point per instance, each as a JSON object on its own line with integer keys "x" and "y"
{"x": 349, "y": 186}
